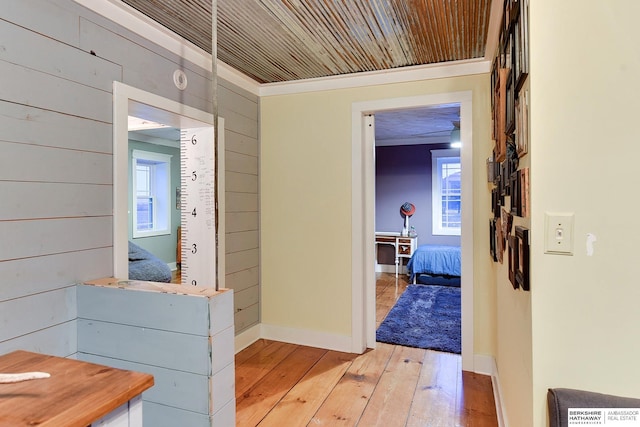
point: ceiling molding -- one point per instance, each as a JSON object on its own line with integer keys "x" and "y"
{"x": 134, "y": 21}
{"x": 371, "y": 78}
{"x": 493, "y": 35}
{"x": 413, "y": 141}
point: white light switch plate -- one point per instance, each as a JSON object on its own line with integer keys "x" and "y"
{"x": 558, "y": 238}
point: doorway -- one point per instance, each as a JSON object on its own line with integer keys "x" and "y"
{"x": 363, "y": 216}
{"x": 417, "y": 163}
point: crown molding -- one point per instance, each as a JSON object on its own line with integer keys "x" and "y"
{"x": 371, "y": 78}
{"x": 137, "y": 22}
{"x": 422, "y": 140}
{"x": 493, "y": 35}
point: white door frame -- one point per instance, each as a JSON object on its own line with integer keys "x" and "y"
{"x": 363, "y": 214}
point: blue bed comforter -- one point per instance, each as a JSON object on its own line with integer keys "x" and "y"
{"x": 435, "y": 260}
{"x": 143, "y": 265}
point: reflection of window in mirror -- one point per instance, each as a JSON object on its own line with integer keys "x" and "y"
{"x": 151, "y": 207}
{"x": 154, "y": 173}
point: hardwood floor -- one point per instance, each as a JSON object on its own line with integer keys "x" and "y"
{"x": 280, "y": 384}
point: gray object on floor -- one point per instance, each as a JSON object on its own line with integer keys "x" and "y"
{"x": 560, "y": 400}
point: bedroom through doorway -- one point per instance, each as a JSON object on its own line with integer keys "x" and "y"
{"x": 418, "y": 227}
{"x": 363, "y": 215}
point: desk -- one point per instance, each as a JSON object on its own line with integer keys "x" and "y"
{"x": 77, "y": 394}
{"x": 404, "y": 246}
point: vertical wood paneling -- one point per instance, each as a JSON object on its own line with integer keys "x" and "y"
{"x": 57, "y": 340}
{"x": 239, "y": 260}
{"x": 30, "y": 276}
{"x": 146, "y": 309}
{"x": 35, "y": 238}
{"x": 242, "y": 241}
{"x": 245, "y": 318}
{"x": 245, "y": 299}
{"x": 240, "y": 110}
{"x": 35, "y": 126}
{"x": 56, "y": 167}
{"x": 242, "y": 221}
{"x": 245, "y": 278}
{"x": 41, "y": 17}
{"x": 171, "y": 387}
{"x": 184, "y": 337}
{"x": 144, "y": 345}
{"x": 145, "y": 69}
{"x": 32, "y": 163}
{"x": 45, "y": 309}
{"x": 242, "y": 202}
{"x": 61, "y": 61}
{"x": 232, "y": 98}
{"x": 27, "y": 88}
{"x": 241, "y": 124}
{"x": 241, "y": 182}
{"x": 30, "y": 200}
{"x": 157, "y": 415}
{"x": 242, "y": 163}
{"x": 241, "y": 144}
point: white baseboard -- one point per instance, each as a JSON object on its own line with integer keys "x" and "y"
{"x": 484, "y": 364}
{"x": 292, "y": 336}
{"x": 247, "y": 337}
{"x": 307, "y": 338}
{"x": 386, "y": 268}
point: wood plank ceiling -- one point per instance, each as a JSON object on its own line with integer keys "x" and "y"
{"x": 284, "y": 40}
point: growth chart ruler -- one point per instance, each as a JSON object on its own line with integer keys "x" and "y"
{"x": 198, "y": 207}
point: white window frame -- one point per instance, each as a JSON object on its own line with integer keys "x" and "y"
{"x": 437, "y": 156}
{"x": 161, "y": 193}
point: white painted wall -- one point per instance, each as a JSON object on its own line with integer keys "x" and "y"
{"x": 305, "y": 206}
{"x": 56, "y": 163}
{"x": 585, "y": 63}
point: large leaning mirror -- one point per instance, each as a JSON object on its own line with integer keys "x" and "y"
{"x": 147, "y": 185}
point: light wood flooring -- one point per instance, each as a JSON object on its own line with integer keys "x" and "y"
{"x": 280, "y": 384}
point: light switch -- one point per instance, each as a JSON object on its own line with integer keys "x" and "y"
{"x": 558, "y": 233}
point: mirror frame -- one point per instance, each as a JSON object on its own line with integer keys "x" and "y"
{"x": 136, "y": 102}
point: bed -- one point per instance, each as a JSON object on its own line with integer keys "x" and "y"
{"x": 143, "y": 265}
{"x": 435, "y": 260}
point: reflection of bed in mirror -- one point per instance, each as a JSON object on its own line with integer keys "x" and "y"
{"x": 143, "y": 265}
{"x": 435, "y": 260}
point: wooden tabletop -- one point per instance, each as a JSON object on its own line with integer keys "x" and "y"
{"x": 77, "y": 393}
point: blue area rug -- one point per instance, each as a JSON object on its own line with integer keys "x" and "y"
{"x": 424, "y": 317}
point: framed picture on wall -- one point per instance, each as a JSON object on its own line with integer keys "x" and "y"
{"x": 512, "y": 260}
{"x": 507, "y": 222}
{"x": 524, "y": 192}
{"x": 492, "y": 239}
{"x": 522, "y": 256}
{"x": 522, "y": 123}
{"x": 523, "y": 26}
{"x": 499, "y": 241}
{"x": 515, "y": 193}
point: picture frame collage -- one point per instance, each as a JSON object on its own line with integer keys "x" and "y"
{"x": 510, "y": 132}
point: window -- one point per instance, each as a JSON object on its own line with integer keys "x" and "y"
{"x": 446, "y": 195}
{"x": 151, "y": 193}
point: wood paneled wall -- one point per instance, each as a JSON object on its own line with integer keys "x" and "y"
{"x": 240, "y": 111}
{"x": 58, "y": 62}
